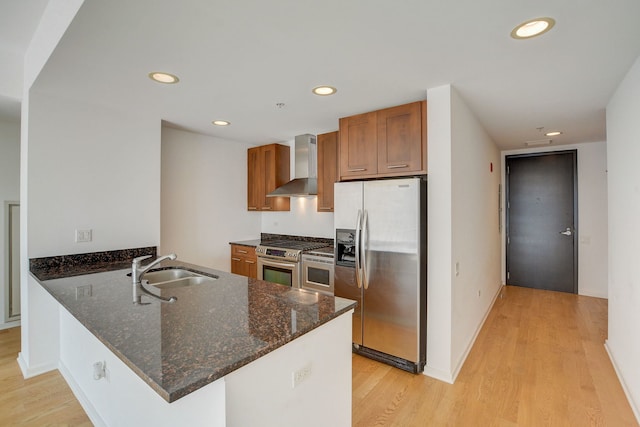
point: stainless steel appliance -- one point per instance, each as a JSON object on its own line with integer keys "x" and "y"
{"x": 279, "y": 260}
{"x": 381, "y": 263}
{"x": 317, "y": 271}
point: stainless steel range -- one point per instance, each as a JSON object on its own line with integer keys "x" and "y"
{"x": 279, "y": 260}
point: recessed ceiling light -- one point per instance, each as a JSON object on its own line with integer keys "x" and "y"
{"x": 324, "y": 90}
{"x": 532, "y": 28}
{"x": 221, "y": 123}
{"x": 161, "y": 77}
{"x": 553, "y": 133}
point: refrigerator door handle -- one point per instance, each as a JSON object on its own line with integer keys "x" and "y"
{"x": 365, "y": 225}
{"x": 358, "y": 267}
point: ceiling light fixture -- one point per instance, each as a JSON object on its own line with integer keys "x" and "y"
{"x": 553, "y": 133}
{"x": 532, "y": 28}
{"x": 160, "y": 77}
{"x": 221, "y": 123}
{"x": 324, "y": 90}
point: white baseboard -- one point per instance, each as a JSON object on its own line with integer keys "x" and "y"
{"x": 589, "y": 293}
{"x": 438, "y": 374}
{"x": 634, "y": 406}
{"x": 464, "y": 356}
{"x": 451, "y": 377}
{"x": 9, "y": 325}
{"x": 90, "y": 410}
{"x": 33, "y": 371}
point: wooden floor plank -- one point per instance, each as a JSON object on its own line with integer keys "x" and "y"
{"x": 539, "y": 360}
{"x": 45, "y": 400}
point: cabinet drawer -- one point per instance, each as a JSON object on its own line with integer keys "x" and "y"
{"x": 243, "y": 251}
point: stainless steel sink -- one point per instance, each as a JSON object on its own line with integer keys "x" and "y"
{"x": 186, "y": 281}
{"x": 176, "y": 278}
{"x": 158, "y": 276}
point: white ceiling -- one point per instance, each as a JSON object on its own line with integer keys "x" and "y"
{"x": 18, "y": 21}
{"x": 238, "y": 59}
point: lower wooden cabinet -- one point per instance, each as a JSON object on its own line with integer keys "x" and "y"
{"x": 244, "y": 261}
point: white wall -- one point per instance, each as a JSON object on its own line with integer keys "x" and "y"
{"x": 592, "y": 215}
{"x": 475, "y": 228}
{"x": 302, "y": 220}
{"x": 91, "y": 168}
{"x": 623, "y": 152}
{"x": 463, "y": 229}
{"x": 9, "y": 192}
{"x": 439, "y": 230}
{"x": 38, "y": 349}
{"x": 204, "y": 198}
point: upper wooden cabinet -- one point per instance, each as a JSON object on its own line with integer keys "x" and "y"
{"x": 267, "y": 169}
{"x": 327, "y": 169}
{"x": 383, "y": 143}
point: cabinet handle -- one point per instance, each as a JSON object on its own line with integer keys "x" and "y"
{"x": 357, "y": 170}
{"x": 241, "y": 251}
{"x": 235, "y": 259}
{"x": 249, "y": 262}
{"x": 322, "y": 208}
{"x": 396, "y": 166}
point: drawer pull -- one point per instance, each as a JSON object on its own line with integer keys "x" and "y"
{"x": 396, "y": 166}
{"x": 357, "y": 170}
{"x": 322, "y": 208}
{"x": 249, "y": 262}
{"x": 241, "y": 251}
{"x": 235, "y": 259}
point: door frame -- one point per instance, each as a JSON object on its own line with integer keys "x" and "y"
{"x": 9, "y": 316}
{"x": 574, "y": 153}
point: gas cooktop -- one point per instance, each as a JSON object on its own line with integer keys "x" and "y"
{"x": 300, "y": 245}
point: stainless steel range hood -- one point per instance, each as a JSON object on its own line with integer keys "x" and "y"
{"x": 306, "y": 176}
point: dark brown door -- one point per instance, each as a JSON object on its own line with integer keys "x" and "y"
{"x": 541, "y": 221}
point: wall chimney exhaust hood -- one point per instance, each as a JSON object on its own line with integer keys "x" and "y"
{"x": 306, "y": 176}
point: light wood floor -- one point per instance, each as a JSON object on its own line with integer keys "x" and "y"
{"x": 45, "y": 400}
{"x": 538, "y": 361}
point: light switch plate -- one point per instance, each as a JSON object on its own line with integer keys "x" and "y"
{"x": 83, "y": 235}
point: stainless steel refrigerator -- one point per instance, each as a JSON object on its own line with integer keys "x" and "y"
{"x": 380, "y": 261}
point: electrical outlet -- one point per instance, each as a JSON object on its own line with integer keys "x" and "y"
{"x": 83, "y": 235}
{"x": 84, "y": 291}
{"x": 300, "y": 375}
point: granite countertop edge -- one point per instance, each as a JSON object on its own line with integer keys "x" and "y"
{"x": 170, "y": 396}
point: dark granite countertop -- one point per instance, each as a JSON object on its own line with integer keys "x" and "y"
{"x": 251, "y": 243}
{"x": 210, "y": 331}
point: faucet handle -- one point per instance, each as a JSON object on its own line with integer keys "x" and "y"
{"x": 137, "y": 260}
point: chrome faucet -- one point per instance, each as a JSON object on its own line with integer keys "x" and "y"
{"x": 137, "y": 271}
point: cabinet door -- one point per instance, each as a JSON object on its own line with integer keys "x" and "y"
{"x": 238, "y": 266}
{"x": 327, "y": 170}
{"x": 267, "y": 169}
{"x": 358, "y": 146}
{"x": 400, "y": 140}
{"x": 254, "y": 184}
{"x": 251, "y": 268}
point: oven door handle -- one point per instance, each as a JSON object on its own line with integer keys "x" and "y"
{"x": 277, "y": 264}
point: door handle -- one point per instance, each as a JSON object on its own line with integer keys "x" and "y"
{"x": 567, "y": 232}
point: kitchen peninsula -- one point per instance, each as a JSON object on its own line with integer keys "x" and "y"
{"x": 234, "y": 351}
